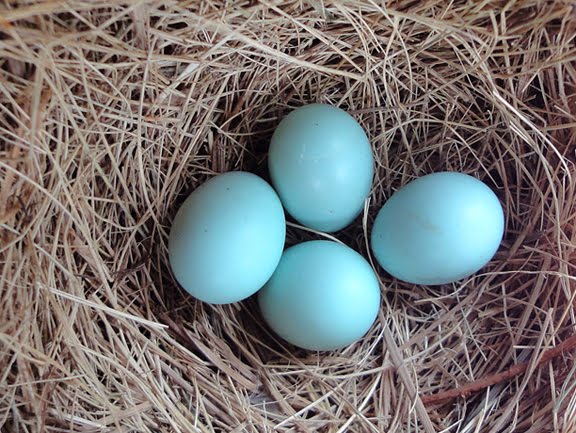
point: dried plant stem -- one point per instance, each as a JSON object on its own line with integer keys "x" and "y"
{"x": 112, "y": 112}
{"x": 478, "y": 385}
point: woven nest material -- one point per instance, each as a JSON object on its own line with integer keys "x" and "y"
{"x": 111, "y": 113}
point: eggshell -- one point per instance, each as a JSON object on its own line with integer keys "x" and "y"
{"x": 322, "y": 296}
{"x": 438, "y": 229}
{"x": 321, "y": 165}
{"x": 227, "y": 238}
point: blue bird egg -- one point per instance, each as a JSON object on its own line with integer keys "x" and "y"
{"x": 227, "y": 238}
{"x": 322, "y": 296}
{"x": 321, "y": 165}
{"x": 438, "y": 229}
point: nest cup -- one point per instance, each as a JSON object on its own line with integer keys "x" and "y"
{"x": 112, "y": 113}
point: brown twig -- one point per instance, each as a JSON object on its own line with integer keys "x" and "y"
{"x": 515, "y": 370}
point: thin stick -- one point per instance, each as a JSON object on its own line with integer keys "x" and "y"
{"x": 515, "y": 370}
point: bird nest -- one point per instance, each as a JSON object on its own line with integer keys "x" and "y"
{"x": 113, "y": 112}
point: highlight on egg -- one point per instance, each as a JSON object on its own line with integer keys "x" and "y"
{"x": 227, "y": 238}
{"x": 321, "y": 165}
{"x": 438, "y": 229}
{"x": 322, "y": 296}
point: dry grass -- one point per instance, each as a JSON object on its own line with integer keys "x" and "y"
{"x": 111, "y": 113}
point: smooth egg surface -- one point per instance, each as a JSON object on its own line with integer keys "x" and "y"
{"x": 321, "y": 165}
{"x": 322, "y": 296}
{"x": 227, "y": 238}
{"x": 438, "y": 229}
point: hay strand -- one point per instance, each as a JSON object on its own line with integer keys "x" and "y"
{"x": 111, "y": 113}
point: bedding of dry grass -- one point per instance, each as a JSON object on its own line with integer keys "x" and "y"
{"x": 112, "y": 112}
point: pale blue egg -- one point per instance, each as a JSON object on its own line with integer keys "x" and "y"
{"x": 227, "y": 238}
{"x": 438, "y": 229}
{"x": 322, "y": 296}
{"x": 321, "y": 165}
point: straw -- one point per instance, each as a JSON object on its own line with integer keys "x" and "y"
{"x": 111, "y": 113}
